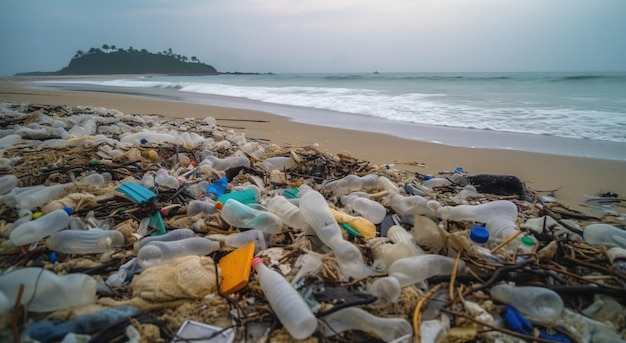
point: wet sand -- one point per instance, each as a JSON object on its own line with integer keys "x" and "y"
{"x": 572, "y": 176}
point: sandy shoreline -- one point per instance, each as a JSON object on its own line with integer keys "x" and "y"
{"x": 573, "y": 176}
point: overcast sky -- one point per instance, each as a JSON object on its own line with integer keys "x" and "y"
{"x": 325, "y": 35}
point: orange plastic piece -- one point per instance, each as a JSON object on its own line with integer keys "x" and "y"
{"x": 235, "y": 268}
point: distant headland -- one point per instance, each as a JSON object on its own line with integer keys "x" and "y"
{"x": 110, "y": 60}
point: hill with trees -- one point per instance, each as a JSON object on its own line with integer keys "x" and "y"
{"x": 112, "y": 60}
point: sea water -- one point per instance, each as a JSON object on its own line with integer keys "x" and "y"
{"x": 582, "y": 114}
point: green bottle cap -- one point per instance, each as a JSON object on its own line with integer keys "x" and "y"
{"x": 528, "y": 241}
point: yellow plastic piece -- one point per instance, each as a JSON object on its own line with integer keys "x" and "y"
{"x": 363, "y": 226}
{"x": 37, "y": 214}
{"x": 235, "y": 268}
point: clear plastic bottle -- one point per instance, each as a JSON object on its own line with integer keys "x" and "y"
{"x": 605, "y": 234}
{"x": 45, "y": 291}
{"x": 288, "y": 213}
{"x": 316, "y": 212}
{"x": 411, "y": 270}
{"x": 437, "y": 182}
{"x": 538, "y": 303}
{"x": 278, "y": 162}
{"x": 37, "y": 197}
{"x": 7, "y": 183}
{"x": 173, "y": 235}
{"x": 85, "y": 242}
{"x": 526, "y": 245}
{"x": 238, "y": 239}
{"x": 206, "y": 206}
{"x": 226, "y": 162}
{"x": 42, "y": 227}
{"x": 96, "y": 179}
{"x": 363, "y": 206}
{"x": 479, "y": 213}
{"x": 399, "y": 235}
{"x": 387, "y": 185}
{"x": 159, "y": 252}
{"x": 353, "y": 318}
{"x": 244, "y": 216}
{"x": 286, "y": 302}
{"x": 352, "y": 183}
{"x": 164, "y": 179}
{"x": 501, "y": 227}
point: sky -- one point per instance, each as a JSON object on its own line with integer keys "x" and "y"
{"x": 334, "y": 36}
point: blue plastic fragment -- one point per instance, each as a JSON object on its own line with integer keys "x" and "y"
{"x": 218, "y": 187}
{"x": 517, "y": 322}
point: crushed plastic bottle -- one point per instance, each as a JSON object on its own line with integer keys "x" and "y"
{"x": 287, "y": 304}
{"x": 353, "y": 318}
{"x": 44, "y": 226}
{"x": 159, "y": 252}
{"x": 85, "y": 242}
{"x": 605, "y": 234}
{"x": 244, "y": 216}
{"x": 537, "y": 303}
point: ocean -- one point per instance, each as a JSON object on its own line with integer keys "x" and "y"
{"x": 578, "y": 114}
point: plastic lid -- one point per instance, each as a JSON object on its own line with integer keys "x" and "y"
{"x": 427, "y": 177}
{"x": 479, "y": 234}
{"x": 68, "y": 210}
{"x": 256, "y": 261}
{"x": 528, "y": 241}
{"x": 219, "y": 205}
{"x": 143, "y": 141}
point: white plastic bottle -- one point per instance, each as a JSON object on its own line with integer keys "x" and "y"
{"x": 411, "y": 270}
{"x": 226, "y": 163}
{"x": 37, "y": 197}
{"x": 158, "y": 252}
{"x": 501, "y": 227}
{"x": 85, "y": 241}
{"x": 288, "y": 213}
{"x": 605, "y": 234}
{"x": 164, "y": 179}
{"x": 45, "y": 291}
{"x": 278, "y": 162}
{"x": 238, "y": 239}
{"x": 206, "y": 206}
{"x": 7, "y": 183}
{"x": 364, "y": 207}
{"x": 42, "y": 227}
{"x": 480, "y": 213}
{"x": 243, "y": 216}
{"x": 351, "y": 183}
{"x": 286, "y": 302}
{"x": 316, "y": 212}
{"x": 354, "y": 318}
{"x": 173, "y": 235}
{"x": 538, "y": 303}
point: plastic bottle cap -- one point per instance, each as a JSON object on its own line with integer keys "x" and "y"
{"x": 68, "y": 210}
{"x": 528, "y": 241}
{"x": 256, "y": 261}
{"x": 37, "y": 214}
{"x": 53, "y": 257}
{"x": 143, "y": 141}
{"x": 93, "y": 162}
{"x": 459, "y": 170}
{"x": 427, "y": 177}
{"x": 219, "y": 205}
{"x": 479, "y": 234}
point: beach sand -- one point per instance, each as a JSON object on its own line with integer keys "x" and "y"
{"x": 572, "y": 176}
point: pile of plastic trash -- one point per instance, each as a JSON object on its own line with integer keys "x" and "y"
{"x": 119, "y": 227}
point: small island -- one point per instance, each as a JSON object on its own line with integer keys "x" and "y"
{"x": 110, "y": 60}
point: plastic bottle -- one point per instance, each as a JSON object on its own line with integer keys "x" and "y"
{"x": 164, "y": 179}
{"x": 437, "y": 182}
{"x": 7, "y": 183}
{"x": 410, "y": 206}
{"x": 286, "y": 302}
{"x": 363, "y": 206}
{"x": 173, "y": 235}
{"x": 149, "y": 137}
{"x": 206, "y": 206}
{"x": 316, "y": 212}
{"x": 288, "y": 213}
{"x": 238, "y": 239}
{"x": 420, "y": 190}
{"x": 354, "y": 318}
{"x": 41, "y": 227}
{"x": 278, "y": 162}
{"x": 605, "y": 234}
{"x": 244, "y": 216}
{"x": 159, "y": 252}
{"x": 501, "y": 227}
{"x": 538, "y": 303}
{"x": 96, "y": 179}
{"x": 351, "y": 183}
{"x": 526, "y": 245}
{"x": 399, "y": 235}
{"x": 479, "y": 213}
{"x": 225, "y": 163}
{"x": 411, "y": 270}
{"x": 387, "y": 185}
{"x": 85, "y": 242}
{"x": 45, "y": 291}
{"x": 38, "y": 196}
